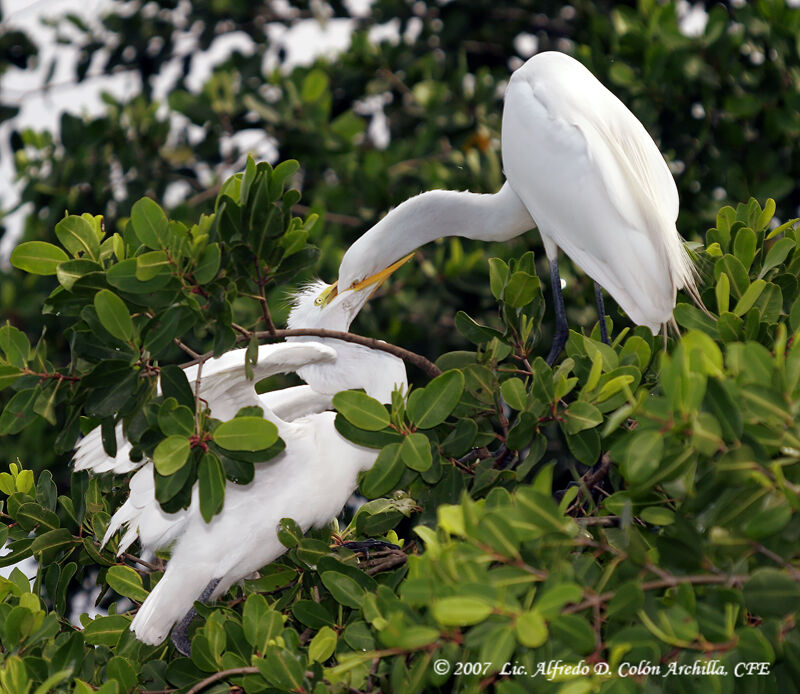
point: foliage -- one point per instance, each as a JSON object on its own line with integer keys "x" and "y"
{"x": 669, "y": 535}
{"x": 631, "y": 504}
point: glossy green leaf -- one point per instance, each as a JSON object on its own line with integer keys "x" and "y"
{"x": 581, "y": 415}
{"x": 245, "y": 434}
{"x": 78, "y": 236}
{"x": 460, "y": 610}
{"x": 416, "y": 452}
{"x": 126, "y": 582}
{"x": 114, "y": 315}
{"x": 149, "y": 223}
{"x": 431, "y": 405}
{"x": 386, "y": 472}
{"x": 171, "y": 454}
{"x": 211, "y": 484}
{"x": 361, "y": 410}
{"x": 37, "y": 257}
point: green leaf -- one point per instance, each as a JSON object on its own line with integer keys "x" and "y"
{"x": 460, "y": 611}
{"x": 749, "y": 297}
{"x": 498, "y": 275}
{"x": 322, "y": 645}
{"x": 385, "y": 474}
{"x": 343, "y": 588}
{"x": 312, "y": 614}
{"x": 8, "y": 375}
{"x": 53, "y": 540}
{"x": 513, "y": 392}
{"x": 69, "y": 272}
{"x": 15, "y": 346}
{"x": 289, "y": 532}
{"x": 126, "y": 582}
{"x": 260, "y": 623}
{"x": 473, "y": 331}
{"x": 776, "y": 255}
{"x": 315, "y": 85}
{"x": 521, "y": 289}
{"x": 361, "y": 410}
{"x": 153, "y": 266}
{"x": 208, "y": 265}
{"x": 282, "y": 669}
{"x": 245, "y": 434}
{"x": 78, "y": 236}
{"x": 113, "y": 315}
{"x": 581, "y": 415}
{"x": 106, "y": 631}
{"x": 723, "y": 293}
{"x": 531, "y": 629}
{"x": 416, "y": 452}
{"x": 744, "y": 246}
{"x": 657, "y": 515}
{"x": 174, "y": 384}
{"x": 211, "y": 483}
{"x": 171, "y": 454}
{"x": 541, "y": 511}
{"x": 431, "y": 405}
{"x": 123, "y": 276}
{"x": 37, "y": 257}
{"x": 149, "y": 223}
{"x": 642, "y": 455}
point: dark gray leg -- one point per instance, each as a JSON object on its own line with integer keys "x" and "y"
{"x": 601, "y": 312}
{"x": 562, "y": 329}
{"x": 179, "y": 632}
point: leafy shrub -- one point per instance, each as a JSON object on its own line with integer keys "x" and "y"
{"x": 630, "y": 504}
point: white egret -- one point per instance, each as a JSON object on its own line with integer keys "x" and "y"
{"x": 310, "y": 481}
{"x": 582, "y": 168}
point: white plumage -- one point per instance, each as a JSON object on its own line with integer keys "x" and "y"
{"x": 582, "y": 168}
{"x": 309, "y": 481}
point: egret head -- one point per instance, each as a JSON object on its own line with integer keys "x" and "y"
{"x": 320, "y": 305}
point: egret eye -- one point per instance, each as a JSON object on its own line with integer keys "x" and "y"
{"x": 326, "y": 295}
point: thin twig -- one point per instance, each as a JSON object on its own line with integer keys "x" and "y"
{"x": 697, "y": 579}
{"x": 187, "y": 349}
{"x": 411, "y": 357}
{"x": 138, "y": 560}
{"x": 202, "y": 684}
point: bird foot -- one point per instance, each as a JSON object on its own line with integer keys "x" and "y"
{"x": 180, "y": 636}
{"x": 365, "y": 546}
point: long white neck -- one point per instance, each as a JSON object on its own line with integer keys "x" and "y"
{"x": 484, "y": 217}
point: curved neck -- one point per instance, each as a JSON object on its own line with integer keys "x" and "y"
{"x": 484, "y": 217}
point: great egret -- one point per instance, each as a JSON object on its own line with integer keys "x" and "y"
{"x": 310, "y": 481}
{"x": 582, "y": 168}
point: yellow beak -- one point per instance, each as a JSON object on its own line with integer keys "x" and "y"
{"x": 377, "y": 279}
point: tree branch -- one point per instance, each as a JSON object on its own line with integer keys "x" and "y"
{"x": 430, "y": 369}
{"x": 202, "y": 684}
{"x": 698, "y": 579}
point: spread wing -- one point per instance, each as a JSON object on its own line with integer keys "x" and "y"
{"x": 223, "y": 384}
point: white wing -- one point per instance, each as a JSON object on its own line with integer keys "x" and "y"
{"x": 596, "y": 184}
{"x": 224, "y": 386}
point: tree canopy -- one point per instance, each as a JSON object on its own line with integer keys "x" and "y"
{"x": 635, "y": 503}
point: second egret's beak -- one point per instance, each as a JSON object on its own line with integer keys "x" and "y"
{"x": 380, "y": 277}
{"x": 377, "y": 279}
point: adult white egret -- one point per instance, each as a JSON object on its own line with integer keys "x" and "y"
{"x": 309, "y": 481}
{"x": 582, "y": 168}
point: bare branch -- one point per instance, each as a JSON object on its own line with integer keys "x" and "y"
{"x": 430, "y": 369}
{"x": 202, "y": 684}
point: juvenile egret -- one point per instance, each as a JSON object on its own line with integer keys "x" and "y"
{"x": 582, "y": 168}
{"x": 310, "y": 481}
